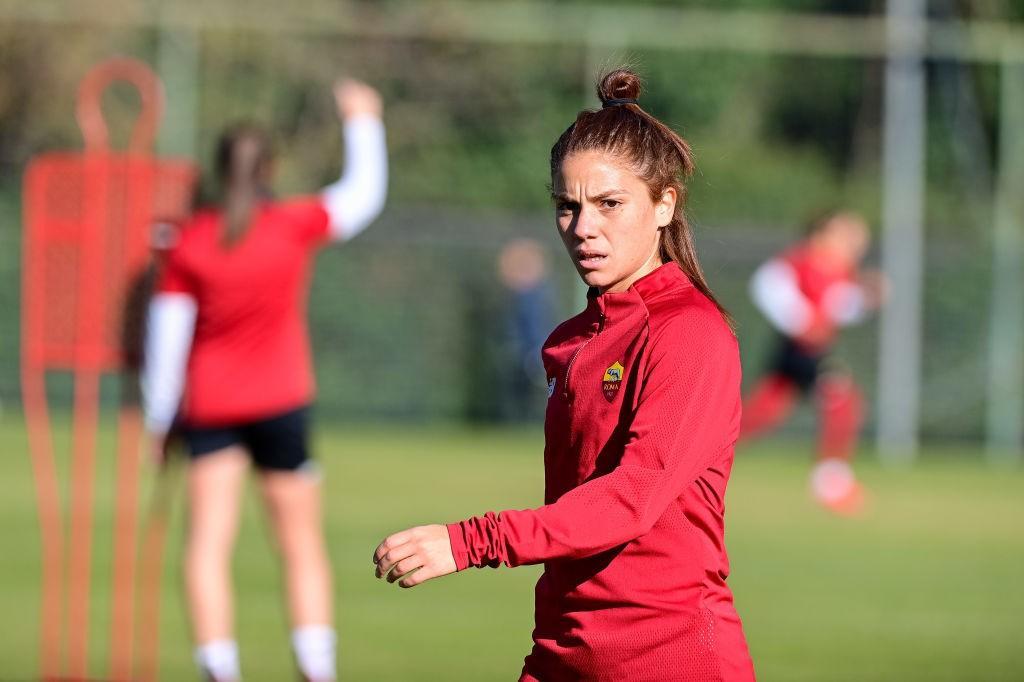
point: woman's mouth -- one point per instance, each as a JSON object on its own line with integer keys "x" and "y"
{"x": 590, "y": 260}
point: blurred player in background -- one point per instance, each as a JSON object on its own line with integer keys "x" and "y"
{"x": 523, "y": 270}
{"x": 228, "y": 357}
{"x": 643, "y": 411}
{"x": 807, "y": 293}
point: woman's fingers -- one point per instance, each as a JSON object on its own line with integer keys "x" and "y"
{"x": 404, "y": 567}
{"x": 420, "y": 576}
{"x": 389, "y": 560}
{"x": 391, "y": 542}
{"x": 390, "y": 557}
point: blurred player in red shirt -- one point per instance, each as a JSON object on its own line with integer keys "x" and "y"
{"x": 807, "y": 293}
{"x": 228, "y": 358}
{"x": 642, "y": 415}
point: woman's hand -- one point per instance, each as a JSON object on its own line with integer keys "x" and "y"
{"x": 415, "y": 555}
{"x": 875, "y": 285}
{"x": 355, "y": 98}
{"x": 156, "y": 448}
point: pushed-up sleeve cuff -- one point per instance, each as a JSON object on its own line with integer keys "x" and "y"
{"x": 458, "y": 542}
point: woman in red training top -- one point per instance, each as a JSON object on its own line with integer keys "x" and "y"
{"x": 643, "y": 412}
{"x": 227, "y": 351}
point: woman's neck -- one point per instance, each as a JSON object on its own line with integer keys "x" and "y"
{"x": 650, "y": 265}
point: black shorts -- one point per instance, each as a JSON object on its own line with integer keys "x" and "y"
{"x": 278, "y": 443}
{"x": 796, "y": 364}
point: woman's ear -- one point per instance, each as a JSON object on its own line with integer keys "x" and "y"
{"x": 665, "y": 208}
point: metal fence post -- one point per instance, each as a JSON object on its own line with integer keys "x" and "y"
{"x": 1005, "y": 428}
{"x": 899, "y": 368}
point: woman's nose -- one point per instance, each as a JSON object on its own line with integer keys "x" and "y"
{"x": 584, "y": 227}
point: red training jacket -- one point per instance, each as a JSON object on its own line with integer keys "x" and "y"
{"x": 643, "y": 413}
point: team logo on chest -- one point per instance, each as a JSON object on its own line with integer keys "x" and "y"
{"x": 551, "y": 386}
{"x": 612, "y": 381}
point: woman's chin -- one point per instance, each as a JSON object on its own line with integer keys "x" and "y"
{"x": 594, "y": 279}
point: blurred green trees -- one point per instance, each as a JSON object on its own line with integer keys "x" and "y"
{"x": 470, "y": 124}
{"x": 469, "y": 130}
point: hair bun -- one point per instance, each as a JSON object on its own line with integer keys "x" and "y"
{"x": 619, "y": 84}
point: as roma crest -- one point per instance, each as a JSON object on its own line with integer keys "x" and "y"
{"x": 612, "y": 381}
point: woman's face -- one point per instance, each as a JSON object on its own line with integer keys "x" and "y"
{"x": 845, "y": 239}
{"x": 607, "y": 221}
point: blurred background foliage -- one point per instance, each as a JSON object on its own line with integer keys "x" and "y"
{"x": 405, "y": 319}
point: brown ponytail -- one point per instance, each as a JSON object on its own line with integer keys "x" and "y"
{"x": 655, "y": 152}
{"x": 243, "y": 159}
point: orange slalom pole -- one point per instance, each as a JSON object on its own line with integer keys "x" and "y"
{"x": 84, "y": 427}
{"x": 151, "y": 570}
{"x": 88, "y": 366}
{"x": 122, "y": 627}
{"x": 37, "y": 416}
{"x": 125, "y": 550}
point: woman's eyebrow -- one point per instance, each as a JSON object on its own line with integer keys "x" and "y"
{"x": 562, "y": 196}
{"x": 607, "y": 193}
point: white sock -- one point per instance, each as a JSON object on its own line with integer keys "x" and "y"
{"x": 220, "y": 659}
{"x": 832, "y": 479}
{"x": 314, "y": 647}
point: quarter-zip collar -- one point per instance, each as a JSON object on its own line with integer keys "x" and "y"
{"x": 667, "y": 276}
{"x": 607, "y": 308}
{"x": 607, "y": 312}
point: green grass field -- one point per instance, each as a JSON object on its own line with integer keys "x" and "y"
{"x": 928, "y": 586}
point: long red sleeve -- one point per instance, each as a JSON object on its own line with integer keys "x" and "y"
{"x": 686, "y": 414}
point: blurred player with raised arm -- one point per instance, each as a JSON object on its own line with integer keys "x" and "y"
{"x": 228, "y": 357}
{"x": 807, "y": 293}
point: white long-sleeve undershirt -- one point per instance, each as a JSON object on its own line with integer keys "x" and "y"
{"x": 169, "y": 327}
{"x": 357, "y": 198}
{"x": 776, "y": 293}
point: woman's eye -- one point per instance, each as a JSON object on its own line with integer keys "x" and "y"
{"x": 610, "y": 203}
{"x": 565, "y": 207}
